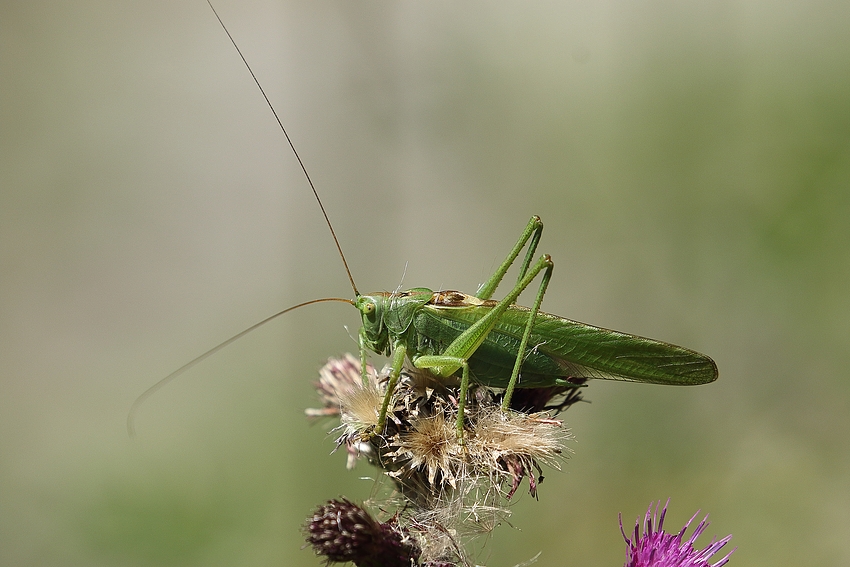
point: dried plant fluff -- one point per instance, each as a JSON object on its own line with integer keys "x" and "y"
{"x": 419, "y": 447}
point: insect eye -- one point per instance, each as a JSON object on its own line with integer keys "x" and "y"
{"x": 369, "y": 308}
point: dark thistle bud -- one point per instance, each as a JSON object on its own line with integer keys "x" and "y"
{"x": 342, "y": 531}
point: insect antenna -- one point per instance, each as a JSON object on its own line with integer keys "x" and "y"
{"x": 131, "y": 417}
{"x": 291, "y": 145}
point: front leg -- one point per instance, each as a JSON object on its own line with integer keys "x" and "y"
{"x": 399, "y": 352}
{"x": 364, "y": 357}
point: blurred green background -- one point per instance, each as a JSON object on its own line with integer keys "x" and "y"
{"x": 692, "y": 164}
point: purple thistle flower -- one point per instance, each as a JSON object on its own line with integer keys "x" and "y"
{"x": 655, "y": 548}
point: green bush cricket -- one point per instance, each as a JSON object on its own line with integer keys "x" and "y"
{"x": 497, "y": 344}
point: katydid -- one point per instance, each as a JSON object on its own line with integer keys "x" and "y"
{"x": 497, "y": 344}
{"x": 502, "y": 345}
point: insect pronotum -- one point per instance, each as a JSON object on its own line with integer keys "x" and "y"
{"x": 498, "y": 344}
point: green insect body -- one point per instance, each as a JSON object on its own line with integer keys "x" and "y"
{"x": 503, "y": 345}
{"x": 563, "y": 349}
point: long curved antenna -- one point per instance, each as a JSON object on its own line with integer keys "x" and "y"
{"x": 291, "y": 145}
{"x": 131, "y": 417}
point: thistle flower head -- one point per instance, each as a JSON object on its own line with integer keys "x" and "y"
{"x": 419, "y": 446}
{"x": 360, "y": 409}
{"x": 430, "y": 444}
{"x": 343, "y": 531}
{"x": 339, "y": 378}
{"x": 652, "y": 547}
{"x": 513, "y": 445}
{"x": 341, "y": 390}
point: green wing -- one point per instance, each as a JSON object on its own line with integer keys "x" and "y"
{"x": 566, "y": 348}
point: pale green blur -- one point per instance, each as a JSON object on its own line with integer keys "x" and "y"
{"x": 691, "y": 162}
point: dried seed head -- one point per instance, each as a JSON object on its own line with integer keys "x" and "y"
{"x": 515, "y": 444}
{"x": 430, "y": 443}
{"x": 338, "y": 378}
{"x": 419, "y": 446}
{"x": 360, "y": 409}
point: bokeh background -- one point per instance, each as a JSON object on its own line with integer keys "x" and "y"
{"x": 691, "y": 161}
